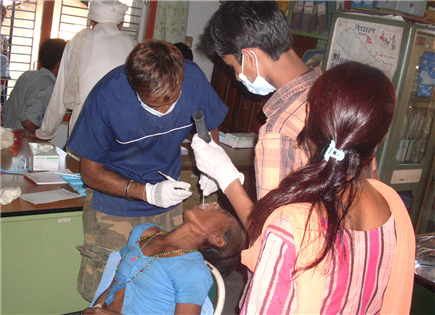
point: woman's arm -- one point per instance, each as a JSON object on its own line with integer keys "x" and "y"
{"x": 191, "y": 309}
{"x": 240, "y": 201}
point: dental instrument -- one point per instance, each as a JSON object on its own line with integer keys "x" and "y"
{"x": 173, "y": 180}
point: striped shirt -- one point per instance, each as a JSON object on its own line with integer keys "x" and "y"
{"x": 276, "y": 153}
{"x": 354, "y": 280}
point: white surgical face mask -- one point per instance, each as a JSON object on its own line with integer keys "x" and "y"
{"x": 154, "y": 112}
{"x": 260, "y": 86}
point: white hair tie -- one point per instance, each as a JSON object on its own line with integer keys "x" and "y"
{"x": 333, "y": 152}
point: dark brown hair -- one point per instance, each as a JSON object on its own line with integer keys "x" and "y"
{"x": 226, "y": 258}
{"x": 50, "y": 52}
{"x": 353, "y": 105}
{"x": 247, "y": 24}
{"x": 155, "y": 68}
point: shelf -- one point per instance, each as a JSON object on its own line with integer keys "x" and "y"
{"x": 314, "y": 35}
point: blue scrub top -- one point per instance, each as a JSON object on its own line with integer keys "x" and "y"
{"x": 114, "y": 129}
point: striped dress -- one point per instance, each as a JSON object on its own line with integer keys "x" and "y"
{"x": 353, "y": 281}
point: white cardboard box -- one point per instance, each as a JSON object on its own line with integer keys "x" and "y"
{"x": 241, "y": 140}
{"x": 43, "y": 157}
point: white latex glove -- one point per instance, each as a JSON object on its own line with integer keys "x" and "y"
{"x": 208, "y": 185}
{"x": 167, "y": 193}
{"x": 212, "y": 160}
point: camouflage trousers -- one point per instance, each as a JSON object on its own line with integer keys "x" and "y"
{"x": 105, "y": 233}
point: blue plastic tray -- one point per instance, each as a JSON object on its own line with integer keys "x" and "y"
{"x": 75, "y": 183}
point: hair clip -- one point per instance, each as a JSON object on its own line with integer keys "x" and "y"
{"x": 333, "y": 152}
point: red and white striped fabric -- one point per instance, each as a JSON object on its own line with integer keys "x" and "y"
{"x": 353, "y": 281}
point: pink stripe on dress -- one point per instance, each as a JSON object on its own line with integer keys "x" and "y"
{"x": 372, "y": 268}
{"x": 339, "y": 280}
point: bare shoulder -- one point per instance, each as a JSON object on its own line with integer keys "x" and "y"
{"x": 371, "y": 210}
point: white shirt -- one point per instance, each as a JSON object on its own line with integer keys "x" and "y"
{"x": 105, "y": 47}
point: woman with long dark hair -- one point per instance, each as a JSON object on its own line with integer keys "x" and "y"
{"x": 329, "y": 240}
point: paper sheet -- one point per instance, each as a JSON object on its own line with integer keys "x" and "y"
{"x": 49, "y": 196}
{"x": 47, "y": 178}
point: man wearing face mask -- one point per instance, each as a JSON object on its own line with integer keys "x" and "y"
{"x": 132, "y": 126}
{"x": 254, "y": 38}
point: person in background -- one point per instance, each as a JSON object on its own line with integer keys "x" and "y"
{"x": 4, "y": 39}
{"x": 88, "y": 57}
{"x": 131, "y": 127}
{"x": 185, "y": 50}
{"x": 5, "y": 75}
{"x": 171, "y": 276}
{"x": 26, "y": 105}
{"x": 327, "y": 233}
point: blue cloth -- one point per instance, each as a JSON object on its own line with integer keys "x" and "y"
{"x": 164, "y": 283}
{"x": 5, "y": 67}
{"x": 28, "y": 99}
{"x": 109, "y": 273}
{"x": 116, "y": 131}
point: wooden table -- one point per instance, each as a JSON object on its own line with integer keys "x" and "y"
{"x": 21, "y": 207}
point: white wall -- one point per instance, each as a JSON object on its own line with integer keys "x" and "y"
{"x": 199, "y": 14}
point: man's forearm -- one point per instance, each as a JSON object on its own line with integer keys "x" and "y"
{"x": 215, "y": 135}
{"x": 97, "y": 177}
{"x": 239, "y": 200}
{"x": 29, "y": 126}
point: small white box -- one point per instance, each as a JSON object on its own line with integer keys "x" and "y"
{"x": 412, "y": 7}
{"x": 43, "y": 157}
{"x": 241, "y": 140}
{"x": 386, "y": 4}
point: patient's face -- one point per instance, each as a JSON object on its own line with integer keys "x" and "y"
{"x": 209, "y": 216}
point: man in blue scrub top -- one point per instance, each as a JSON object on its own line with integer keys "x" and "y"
{"x": 132, "y": 125}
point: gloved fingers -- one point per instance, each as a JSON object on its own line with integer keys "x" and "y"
{"x": 179, "y": 195}
{"x": 167, "y": 193}
{"x": 208, "y": 185}
{"x": 180, "y": 185}
{"x": 178, "y": 191}
{"x": 203, "y": 165}
{"x": 198, "y": 145}
{"x": 197, "y": 142}
{"x": 208, "y": 155}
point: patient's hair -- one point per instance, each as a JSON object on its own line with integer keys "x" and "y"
{"x": 155, "y": 69}
{"x": 226, "y": 258}
{"x": 50, "y": 52}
